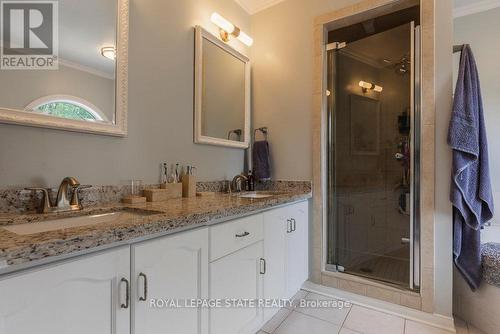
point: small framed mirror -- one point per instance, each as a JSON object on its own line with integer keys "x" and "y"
{"x": 222, "y": 93}
{"x": 86, "y": 89}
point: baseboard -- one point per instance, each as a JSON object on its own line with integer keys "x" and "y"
{"x": 435, "y": 320}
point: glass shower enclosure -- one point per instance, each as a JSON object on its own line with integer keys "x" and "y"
{"x": 373, "y": 156}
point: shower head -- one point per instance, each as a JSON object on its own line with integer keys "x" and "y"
{"x": 400, "y": 66}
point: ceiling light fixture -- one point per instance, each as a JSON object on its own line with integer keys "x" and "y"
{"x": 109, "y": 52}
{"x": 369, "y": 86}
{"x": 228, "y": 30}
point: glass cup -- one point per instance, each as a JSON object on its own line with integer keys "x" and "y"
{"x": 135, "y": 188}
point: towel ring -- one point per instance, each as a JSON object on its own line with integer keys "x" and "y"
{"x": 263, "y": 130}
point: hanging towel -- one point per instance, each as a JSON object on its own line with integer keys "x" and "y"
{"x": 470, "y": 193}
{"x": 261, "y": 160}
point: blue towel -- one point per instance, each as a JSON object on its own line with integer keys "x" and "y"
{"x": 261, "y": 160}
{"x": 470, "y": 194}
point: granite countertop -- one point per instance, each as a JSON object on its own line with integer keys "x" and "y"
{"x": 491, "y": 263}
{"x": 22, "y": 251}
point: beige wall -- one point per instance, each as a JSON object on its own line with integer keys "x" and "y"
{"x": 282, "y": 58}
{"x": 160, "y": 110}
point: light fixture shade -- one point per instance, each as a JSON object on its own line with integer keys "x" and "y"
{"x": 222, "y": 23}
{"x": 245, "y": 39}
{"x": 365, "y": 85}
{"x": 109, "y": 52}
{"x": 369, "y": 86}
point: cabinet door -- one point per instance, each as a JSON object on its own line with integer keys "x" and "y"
{"x": 297, "y": 248}
{"x": 237, "y": 275}
{"x": 275, "y": 245}
{"x": 83, "y": 296}
{"x": 173, "y": 268}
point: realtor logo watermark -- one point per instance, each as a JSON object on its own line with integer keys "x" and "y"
{"x": 29, "y": 35}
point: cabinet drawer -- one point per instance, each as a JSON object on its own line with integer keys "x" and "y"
{"x": 231, "y": 236}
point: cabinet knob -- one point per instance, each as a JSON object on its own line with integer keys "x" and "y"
{"x": 127, "y": 293}
{"x": 242, "y": 235}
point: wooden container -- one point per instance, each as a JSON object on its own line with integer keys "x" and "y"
{"x": 205, "y": 194}
{"x": 133, "y": 199}
{"x": 168, "y": 191}
{"x": 188, "y": 186}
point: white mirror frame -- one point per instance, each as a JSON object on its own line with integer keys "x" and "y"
{"x": 119, "y": 129}
{"x": 199, "y": 138}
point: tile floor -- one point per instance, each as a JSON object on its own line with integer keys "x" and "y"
{"x": 353, "y": 320}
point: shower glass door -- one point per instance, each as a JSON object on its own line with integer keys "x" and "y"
{"x": 373, "y": 157}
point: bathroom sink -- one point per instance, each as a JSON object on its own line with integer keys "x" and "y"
{"x": 259, "y": 194}
{"x": 77, "y": 221}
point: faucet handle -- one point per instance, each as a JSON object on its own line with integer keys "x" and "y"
{"x": 46, "y": 205}
{"x": 75, "y": 198}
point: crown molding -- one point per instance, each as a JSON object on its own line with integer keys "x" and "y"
{"x": 254, "y": 6}
{"x": 475, "y": 8}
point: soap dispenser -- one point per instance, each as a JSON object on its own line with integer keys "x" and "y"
{"x": 250, "y": 181}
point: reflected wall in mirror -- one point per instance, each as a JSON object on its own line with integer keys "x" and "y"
{"x": 222, "y": 107}
{"x": 88, "y": 90}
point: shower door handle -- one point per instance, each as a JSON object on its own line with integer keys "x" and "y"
{"x": 405, "y": 241}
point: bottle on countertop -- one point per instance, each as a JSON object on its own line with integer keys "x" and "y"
{"x": 250, "y": 181}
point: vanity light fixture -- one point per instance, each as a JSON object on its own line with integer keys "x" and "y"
{"x": 109, "y": 52}
{"x": 369, "y": 86}
{"x": 228, "y": 30}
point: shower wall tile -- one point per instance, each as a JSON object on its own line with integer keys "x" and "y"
{"x": 383, "y": 294}
{"x": 427, "y": 290}
{"x": 411, "y": 301}
{"x": 354, "y": 287}
{"x": 317, "y": 214}
{"x": 329, "y": 281}
{"x": 372, "y": 289}
{"x": 317, "y": 82}
{"x": 427, "y": 209}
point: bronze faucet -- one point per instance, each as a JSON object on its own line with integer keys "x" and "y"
{"x": 63, "y": 203}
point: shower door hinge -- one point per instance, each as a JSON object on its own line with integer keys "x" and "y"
{"x": 336, "y": 46}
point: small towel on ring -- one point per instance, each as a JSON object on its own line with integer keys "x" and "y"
{"x": 261, "y": 160}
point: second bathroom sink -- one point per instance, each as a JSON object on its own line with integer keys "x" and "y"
{"x": 259, "y": 194}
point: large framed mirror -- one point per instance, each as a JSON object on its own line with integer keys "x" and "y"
{"x": 87, "y": 90}
{"x": 222, "y": 93}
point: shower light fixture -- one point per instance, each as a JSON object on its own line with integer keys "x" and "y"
{"x": 109, "y": 52}
{"x": 228, "y": 30}
{"x": 370, "y": 86}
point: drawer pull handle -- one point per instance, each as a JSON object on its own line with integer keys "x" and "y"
{"x": 242, "y": 235}
{"x": 127, "y": 294}
{"x": 263, "y": 265}
{"x": 294, "y": 225}
{"x": 145, "y": 296}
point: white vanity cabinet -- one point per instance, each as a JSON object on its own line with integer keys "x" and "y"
{"x": 79, "y": 297}
{"x": 259, "y": 256}
{"x": 236, "y": 272}
{"x": 286, "y": 252}
{"x": 170, "y": 268}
